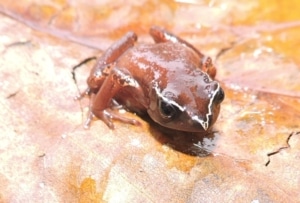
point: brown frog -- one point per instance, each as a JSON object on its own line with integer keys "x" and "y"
{"x": 170, "y": 80}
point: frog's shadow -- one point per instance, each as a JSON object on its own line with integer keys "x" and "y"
{"x": 191, "y": 143}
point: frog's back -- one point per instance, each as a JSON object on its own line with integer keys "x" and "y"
{"x": 159, "y": 62}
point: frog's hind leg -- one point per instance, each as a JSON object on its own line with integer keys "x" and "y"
{"x": 161, "y": 35}
{"x": 104, "y": 63}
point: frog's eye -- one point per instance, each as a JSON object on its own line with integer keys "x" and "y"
{"x": 166, "y": 109}
{"x": 219, "y": 97}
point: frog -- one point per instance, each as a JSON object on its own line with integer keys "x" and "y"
{"x": 169, "y": 80}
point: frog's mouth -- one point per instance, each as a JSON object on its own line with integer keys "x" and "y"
{"x": 204, "y": 124}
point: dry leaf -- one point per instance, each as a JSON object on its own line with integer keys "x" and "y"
{"x": 47, "y": 156}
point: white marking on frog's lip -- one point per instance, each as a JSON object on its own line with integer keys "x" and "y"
{"x": 205, "y": 124}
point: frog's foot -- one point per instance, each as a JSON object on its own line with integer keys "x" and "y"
{"x": 107, "y": 116}
{"x": 89, "y": 119}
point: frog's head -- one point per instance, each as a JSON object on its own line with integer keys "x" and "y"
{"x": 192, "y": 105}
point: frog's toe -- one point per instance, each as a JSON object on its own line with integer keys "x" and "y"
{"x": 107, "y": 116}
{"x": 124, "y": 119}
{"x": 88, "y": 121}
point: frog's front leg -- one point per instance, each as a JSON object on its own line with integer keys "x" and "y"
{"x": 103, "y": 64}
{"x": 114, "y": 82}
{"x": 161, "y": 35}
